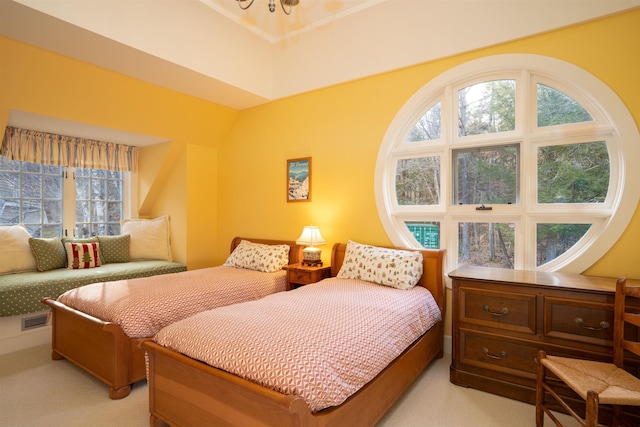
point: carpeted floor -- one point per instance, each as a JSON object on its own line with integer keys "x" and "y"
{"x": 37, "y": 391}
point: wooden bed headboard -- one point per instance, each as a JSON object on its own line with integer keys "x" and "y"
{"x": 295, "y": 251}
{"x": 433, "y": 269}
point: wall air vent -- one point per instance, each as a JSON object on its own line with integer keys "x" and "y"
{"x": 34, "y": 322}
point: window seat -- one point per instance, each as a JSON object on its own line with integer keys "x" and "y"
{"x": 21, "y": 293}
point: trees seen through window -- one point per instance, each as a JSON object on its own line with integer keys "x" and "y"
{"x": 509, "y": 168}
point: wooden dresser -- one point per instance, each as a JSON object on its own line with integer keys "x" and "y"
{"x": 501, "y": 318}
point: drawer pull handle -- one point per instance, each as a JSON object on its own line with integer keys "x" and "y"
{"x": 603, "y": 325}
{"x": 502, "y": 312}
{"x": 502, "y": 355}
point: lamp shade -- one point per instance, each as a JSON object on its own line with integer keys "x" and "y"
{"x": 311, "y": 237}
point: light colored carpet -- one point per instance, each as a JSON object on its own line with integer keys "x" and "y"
{"x": 37, "y": 391}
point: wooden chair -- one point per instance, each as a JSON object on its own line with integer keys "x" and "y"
{"x": 596, "y": 382}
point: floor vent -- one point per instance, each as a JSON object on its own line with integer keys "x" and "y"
{"x": 34, "y": 322}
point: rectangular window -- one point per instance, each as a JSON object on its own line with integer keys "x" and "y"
{"x": 486, "y": 175}
{"x": 36, "y": 196}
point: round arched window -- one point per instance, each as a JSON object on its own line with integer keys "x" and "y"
{"x": 510, "y": 161}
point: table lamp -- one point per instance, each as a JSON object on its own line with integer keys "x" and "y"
{"x": 311, "y": 237}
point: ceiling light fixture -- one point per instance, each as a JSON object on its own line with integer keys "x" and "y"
{"x": 286, "y": 5}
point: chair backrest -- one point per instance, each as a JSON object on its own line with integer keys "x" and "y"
{"x": 621, "y": 317}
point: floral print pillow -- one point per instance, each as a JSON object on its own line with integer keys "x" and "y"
{"x": 257, "y": 256}
{"x": 390, "y": 267}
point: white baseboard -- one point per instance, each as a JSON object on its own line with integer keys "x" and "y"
{"x": 447, "y": 344}
{"x": 13, "y": 338}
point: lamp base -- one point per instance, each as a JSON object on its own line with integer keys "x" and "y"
{"x": 311, "y": 256}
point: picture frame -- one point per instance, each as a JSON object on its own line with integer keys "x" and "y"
{"x": 299, "y": 180}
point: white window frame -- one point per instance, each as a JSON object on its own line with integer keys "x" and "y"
{"x": 612, "y": 121}
{"x": 130, "y": 199}
{"x": 69, "y": 199}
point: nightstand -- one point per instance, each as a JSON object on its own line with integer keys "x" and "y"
{"x": 300, "y": 275}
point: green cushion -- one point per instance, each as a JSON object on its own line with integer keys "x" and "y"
{"x": 114, "y": 248}
{"x": 21, "y": 293}
{"x": 49, "y": 253}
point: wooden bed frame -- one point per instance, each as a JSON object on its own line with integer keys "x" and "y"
{"x": 186, "y": 392}
{"x": 102, "y": 348}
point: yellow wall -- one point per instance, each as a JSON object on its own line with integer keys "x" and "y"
{"x": 41, "y": 82}
{"x": 223, "y": 173}
{"x": 342, "y": 127}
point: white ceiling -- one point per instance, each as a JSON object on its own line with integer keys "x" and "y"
{"x": 213, "y": 50}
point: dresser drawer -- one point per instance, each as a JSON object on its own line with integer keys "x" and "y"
{"x": 300, "y": 277}
{"x": 497, "y": 353}
{"x": 575, "y": 320}
{"x": 509, "y": 311}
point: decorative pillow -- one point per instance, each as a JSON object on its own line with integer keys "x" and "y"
{"x": 114, "y": 249}
{"x": 82, "y": 255}
{"x": 258, "y": 256}
{"x": 66, "y": 240}
{"x": 149, "y": 238}
{"x": 390, "y": 267}
{"x": 15, "y": 253}
{"x": 48, "y": 252}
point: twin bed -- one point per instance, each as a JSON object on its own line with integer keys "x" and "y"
{"x": 338, "y": 352}
{"x": 99, "y": 327}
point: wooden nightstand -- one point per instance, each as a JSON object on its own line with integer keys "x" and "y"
{"x": 300, "y": 275}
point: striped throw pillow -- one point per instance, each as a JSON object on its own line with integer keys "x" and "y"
{"x": 82, "y": 255}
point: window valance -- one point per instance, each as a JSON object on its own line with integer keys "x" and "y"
{"x": 51, "y": 149}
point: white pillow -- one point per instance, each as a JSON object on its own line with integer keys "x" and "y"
{"x": 15, "y": 252}
{"x": 149, "y": 238}
{"x": 258, "y": 256}
{"x": 390, "y": 267}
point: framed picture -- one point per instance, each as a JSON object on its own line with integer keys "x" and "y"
{"x": 299, "y": 180}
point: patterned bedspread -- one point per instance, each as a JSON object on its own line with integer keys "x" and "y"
{"x": 141, "y": 307}
{"x": 321, "y": 342}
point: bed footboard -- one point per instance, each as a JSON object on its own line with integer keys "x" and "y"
{"x": 101, "y": 348}
{"x": 184, "y": 391}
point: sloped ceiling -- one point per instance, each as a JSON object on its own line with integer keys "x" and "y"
{"x": 213, "y": 50}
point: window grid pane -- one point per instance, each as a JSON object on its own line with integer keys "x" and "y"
{"x": 428, "y": 127}
{"x": 98, "y": 202}
{"x": 487, "y": 107}
{"x": 426, "y": 233}
{"x": 552, "y": 240}
{"x": 484, "y": 244}
{"x": 31, "y": 194}
{"x": 486, "y": 175}
{"x": 556, "y": 108}
{"x": 418, "y": 181}
{"x": 573, "y": 173}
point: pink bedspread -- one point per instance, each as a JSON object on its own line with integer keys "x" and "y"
{"x": 321, "y": 342}
{"x": 141, "y": 307}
